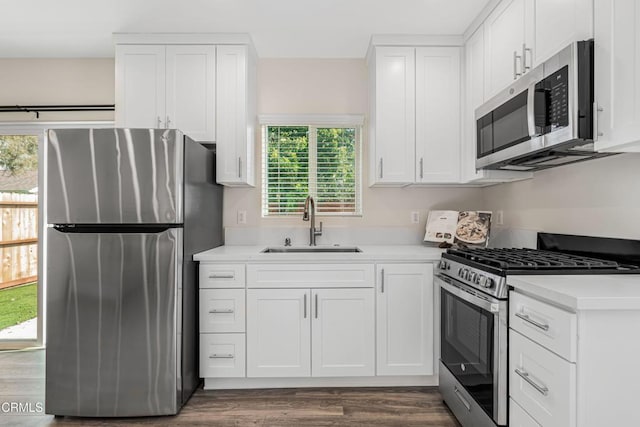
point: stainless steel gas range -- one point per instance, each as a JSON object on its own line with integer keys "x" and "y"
{"x": 474, "y": 313}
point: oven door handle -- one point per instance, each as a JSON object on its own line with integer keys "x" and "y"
{"x": 493, "y": 307}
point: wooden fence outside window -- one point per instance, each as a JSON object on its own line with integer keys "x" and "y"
{"x": 18, "y": 239}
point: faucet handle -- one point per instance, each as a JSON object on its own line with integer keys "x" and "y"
{"x": 318, "y": 231}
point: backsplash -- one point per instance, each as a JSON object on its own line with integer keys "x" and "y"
{"x": 501, "y": 237}
{"x": 299, "y": 236}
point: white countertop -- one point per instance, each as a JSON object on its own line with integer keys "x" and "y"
{"x": 592, "y": 292}
{"x": 392, "y": 253}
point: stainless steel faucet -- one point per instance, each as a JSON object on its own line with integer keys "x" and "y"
{"x": 311, "y": 214}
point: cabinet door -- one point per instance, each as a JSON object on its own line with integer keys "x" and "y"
{"x": 343, "y": 333}
{"x": 617, "y": 75}
{"x": 140, "y": 86}
{"x": 504, "y": 39}
{"x": 474, "y": 97}
{"x": 556, "y": 23}
{"x": 235, "y": 117}
{"x": 437, "y": 115}
{"x": 405, "y": 319}
{"x": 191, "y": 90}
{"x": 394, "y": 130}
{"x": 278, "y": 333}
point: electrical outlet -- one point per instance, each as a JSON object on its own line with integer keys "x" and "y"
{"x": 242, "y": 217}
{"x": 499, "y": 217}
{"x": 415, "y": 217}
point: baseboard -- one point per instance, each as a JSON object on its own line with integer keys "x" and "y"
{"x": 249, "y": 383}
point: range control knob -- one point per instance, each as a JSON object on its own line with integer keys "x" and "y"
{"x": 473, "y": 276}
{"x": 460, "y": 272}
{"x": 482, "y": 280}
{"x": 443, "y": 265}
{"x": 490, "y": 283}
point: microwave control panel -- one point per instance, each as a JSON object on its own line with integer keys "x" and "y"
{"x": 552, "y": 101}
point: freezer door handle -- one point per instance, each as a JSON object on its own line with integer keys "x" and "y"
{"x": 114, "y": 228}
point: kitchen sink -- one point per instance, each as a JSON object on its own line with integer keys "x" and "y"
{"x": 311, "y": 249}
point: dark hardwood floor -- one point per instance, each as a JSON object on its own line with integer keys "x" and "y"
{"x": 22, "y": 380}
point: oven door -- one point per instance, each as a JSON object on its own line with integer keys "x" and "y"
{"x": 473, "y": 344}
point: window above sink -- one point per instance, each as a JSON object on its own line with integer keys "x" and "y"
{"x": 311, "y": 155}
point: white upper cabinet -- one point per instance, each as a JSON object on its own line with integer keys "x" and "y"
{"x": 504, "y": 30}
{"x": 473, "y": 98}
{"x": 437, "y": 115}
{"x": 191, "y": 80}
{"x": 556, "y": 24}
{"x": 167, "y": 86}
{"x": 392, "y": 118}
{"x": 140, "y": 86}
{"x": 521, "y": 34}
{"x": 617, "y": 75}
{"x": 235, "y": 115}
{"x": 414, "y": 116}
{"x": 202, "y": 84}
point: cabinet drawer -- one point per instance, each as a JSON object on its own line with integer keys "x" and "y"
{"x": 222, "y": 355}
{"x": 310, "y": 275}
{"x": 549, "y": 326}
{"x": 222, "y": 310}
{"x": 222, "y": 276}
{"x": 518, "y": 417}
{"x": 542, "y": 383}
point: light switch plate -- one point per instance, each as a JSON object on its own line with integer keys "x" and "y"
{"x": 499, "y": 217}
{"x": 415, "y": 217}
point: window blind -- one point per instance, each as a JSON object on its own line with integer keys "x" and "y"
{"x": 308, "y": 160}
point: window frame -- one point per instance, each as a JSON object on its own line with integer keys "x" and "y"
{"x": 314, "y": 122}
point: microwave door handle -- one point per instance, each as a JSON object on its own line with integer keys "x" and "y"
{"x": 531, "y": 110}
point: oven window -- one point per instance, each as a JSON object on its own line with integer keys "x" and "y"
{"x": 467, "y": 347}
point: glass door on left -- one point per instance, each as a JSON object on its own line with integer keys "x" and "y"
{"x": 20, "y": 291}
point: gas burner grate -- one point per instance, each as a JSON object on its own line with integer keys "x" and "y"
{"x": 531, "y": 259}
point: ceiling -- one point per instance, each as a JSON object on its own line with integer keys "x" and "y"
{"x": 279, "y": 28}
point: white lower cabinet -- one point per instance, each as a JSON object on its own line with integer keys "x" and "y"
{"x": 301, "y": 324}
{"x": 222, "y": 355}
{"x": 404, "y": 319}
{"x": 541, "y": 382}
{"x": 518, "y": 417}
{"x": 342, "y": 333}
{"x": 302, "y": 332}
{"x": 278, "y": 333}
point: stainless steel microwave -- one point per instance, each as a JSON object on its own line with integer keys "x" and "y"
{"x": 542, "y": 120}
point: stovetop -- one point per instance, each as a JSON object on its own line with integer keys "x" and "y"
{"x": 486, "y": 269}
{"x": 535, "y": 261}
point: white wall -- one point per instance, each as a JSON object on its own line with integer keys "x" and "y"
{"x": 597, "y": 198}
{"x": 59, "y": 82}
{"x": 334, "y": 86}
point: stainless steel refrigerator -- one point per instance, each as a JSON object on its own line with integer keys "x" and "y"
{"x": 126, "y": 209}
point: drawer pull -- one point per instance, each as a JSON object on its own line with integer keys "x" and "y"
{"x": 221, "y": 276}
{"x": 461, "y": 398}
{"x": 223, "y": 310}
{"x": 526, "y": 318}
{"x": 525, "y": 376}
{"x": 221, "y": 356}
